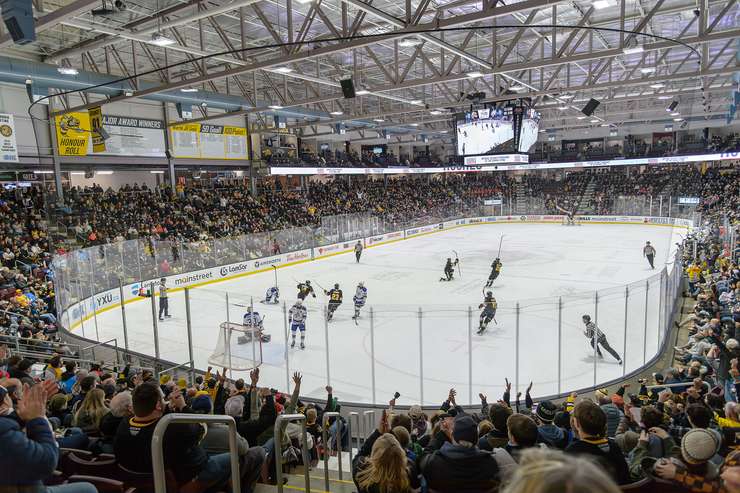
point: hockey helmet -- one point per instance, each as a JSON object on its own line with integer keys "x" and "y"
{"x": 308, "y": 283}
{"x": 489, "y": 293}
{"x": 299, "y": 302}
{"x": 586, "y": 318}
{"x": 163, "y": 280}
{"x": 336, "y": 286}
{"x": 361, "y": 284}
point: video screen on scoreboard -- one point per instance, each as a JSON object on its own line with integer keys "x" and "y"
{"x": 530, "y": 130}
{"x": 490, "y": 131}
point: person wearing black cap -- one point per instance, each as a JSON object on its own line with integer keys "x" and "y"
{"x": 459, "y": 465}
{"x": 547, "y": 432}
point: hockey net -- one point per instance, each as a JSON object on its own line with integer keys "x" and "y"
{"x": 239, "y": 347}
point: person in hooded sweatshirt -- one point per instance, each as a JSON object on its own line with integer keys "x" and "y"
{"x": 459, "y": 465}
{"x": 548, "y": 433}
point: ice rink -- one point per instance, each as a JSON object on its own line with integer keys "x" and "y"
{"x": 420, "y": 335}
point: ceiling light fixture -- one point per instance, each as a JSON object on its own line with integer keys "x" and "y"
{"x": 68, "y": 71}
{"x": 283, "y": 70}
{"x": 379, "y": 120}
{"x": 657, "y": 85}
{"x": 600, "y": 4}
{"x": 675, "y": 113}
{"x": 633, "y": 50}
{"x": 517, "y": 87}
{"x": 595, "y": 120}
{"x": 435, "y": 112}
{"x": 647, "y": 70}
{"x": 566, "y": 96}
{"x": 474, "y": 74}
{"x": 409, "y": 42}
{"x": 275, "y": 107}
{"x": 156, "y": 172}
{"x": 189, "y": 89}
{"x": 336, "y": 113}
{"x": 581, "y": 117}
{"x": 414, "y": 124}
{"x": 160, "y": 39}
{"x": 416, "y": 101}
{"x": 678, "y": 119}
{"x": 104, "y": 172}
{"x": 362, "y": 92}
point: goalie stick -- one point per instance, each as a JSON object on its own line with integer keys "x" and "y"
{"x": 457, "y": 257}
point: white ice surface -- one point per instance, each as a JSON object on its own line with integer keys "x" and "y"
{"x": 540, "y": 264}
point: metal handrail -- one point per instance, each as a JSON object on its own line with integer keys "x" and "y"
{"x": 325, "y": 439}
{"x": 279, "y": 450}
{"x": 679, "y": 384}
{"x": 172, "y": 368}
{"x": 160, "y": 483}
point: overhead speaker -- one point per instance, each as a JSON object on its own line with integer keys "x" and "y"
{"x": 18, "y": 19}
{"x": 590, "y": 107}
{"x": 672, "y": 106}
{"x": 348, "y": 88}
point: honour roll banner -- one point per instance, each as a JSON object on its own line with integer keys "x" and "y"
{"x": 127, "y": 136}
{"x": 193, "y": 140}
{"x": 8, "y": 146}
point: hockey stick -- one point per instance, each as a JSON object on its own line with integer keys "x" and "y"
{"x": 274, "y": 269}
{"x": 500, "y": 241}
{"x": 457, "y": 257}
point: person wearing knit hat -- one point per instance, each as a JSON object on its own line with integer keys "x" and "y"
{"x": 201, "y": 404}
{"x": 547, "y": 432}
{"x": 459, "y": 465}
{"x": 699, "y": 445}
{"x": 182, "y": 384}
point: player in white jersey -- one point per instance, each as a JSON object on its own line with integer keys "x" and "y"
{"x": 272, "y": 296}
{"x": 253, "y": 319}
{"x": 359, "y": 298}
{"x": 297, "y": 319}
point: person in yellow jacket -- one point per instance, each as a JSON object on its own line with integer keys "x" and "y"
{"x": 694, "y": 274}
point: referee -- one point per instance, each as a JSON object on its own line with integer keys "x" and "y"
{"x": 598, "y": 338}
{"x": 649, "y": 253}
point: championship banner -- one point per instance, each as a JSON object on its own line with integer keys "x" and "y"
{"x": 126, "y": 136}
{"x": 8, "y": 145}
{"x": 96, "y": 123}
{"x": 202, "y": 141}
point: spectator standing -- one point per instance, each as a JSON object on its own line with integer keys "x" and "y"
{"x": 589, "y": 423}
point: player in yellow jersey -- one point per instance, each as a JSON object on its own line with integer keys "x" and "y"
{"x": 489, "y": 306}
{"x": 335, "y": 299}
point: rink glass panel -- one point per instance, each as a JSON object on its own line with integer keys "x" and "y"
{"x": 429, "y": 348}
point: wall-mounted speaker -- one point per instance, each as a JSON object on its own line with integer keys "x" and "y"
{"x": 18, "y": 19}
{"x": 348, "y": 88}
{"x": 590, "y": 107}
{"x": 672, "y": 106}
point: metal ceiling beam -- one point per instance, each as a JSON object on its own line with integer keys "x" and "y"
{"x": 456, "y": 21}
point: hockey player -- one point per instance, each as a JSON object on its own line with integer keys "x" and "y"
{"x": 335, "y": 299}
{"x": 598, "y": 338}
{"x": 449, "y": 269}
{"x": 649, "y": 253}
{"x": 272, "y": 296}
{"x": 358, "y": 251}
{"x": 495, "y": 270}
{"x": 359, "y": 298}
{"x": 304, "y": 289}
{"x": 489, "y": 306}
{"x": 253, "y": 319}
{"x": 297, "y": 319}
